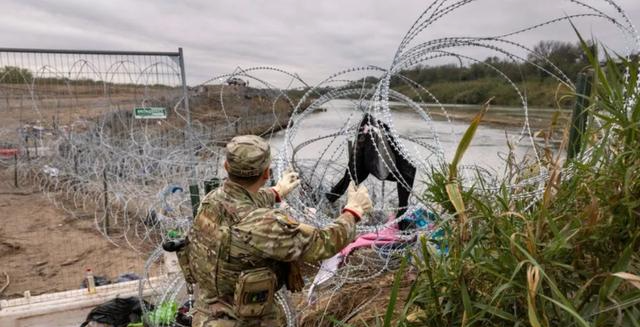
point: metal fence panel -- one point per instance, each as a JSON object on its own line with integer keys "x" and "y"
{"x": 68, "y": 129}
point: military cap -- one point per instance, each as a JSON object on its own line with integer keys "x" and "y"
{"x": 248, "y": 155}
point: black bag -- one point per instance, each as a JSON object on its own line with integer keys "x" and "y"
{"x": 97, "y": 280}
{"x": 118, "y": 312}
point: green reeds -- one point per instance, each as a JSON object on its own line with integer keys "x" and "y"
{"x": 571, "y": 259}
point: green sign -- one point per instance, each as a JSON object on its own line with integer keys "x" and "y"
{"x": 150, "y": 113}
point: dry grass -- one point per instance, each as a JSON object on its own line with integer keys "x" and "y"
{"x": 358, "y": 304}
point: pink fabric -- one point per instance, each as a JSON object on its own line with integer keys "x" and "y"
{"x": 382, "y": 237}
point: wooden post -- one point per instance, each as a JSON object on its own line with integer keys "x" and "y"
{"x": 75, "y": 162}
{"x": 579, "y": 116}
{"x": 75, "y": 170}
{"x": 26, "y": 142}
{"x": 195, "y": 198}
{"x": 15, "y": 170}
{"x": 106, "y": 201}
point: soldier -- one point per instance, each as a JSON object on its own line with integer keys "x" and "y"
{"x": 241, "y": 250}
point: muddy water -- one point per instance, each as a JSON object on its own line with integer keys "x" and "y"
{"x": 488, "y": 149}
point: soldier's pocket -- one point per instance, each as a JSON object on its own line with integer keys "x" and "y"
{"x": 254, "y": 293}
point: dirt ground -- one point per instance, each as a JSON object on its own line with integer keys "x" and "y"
{"x": 43, "y": 249}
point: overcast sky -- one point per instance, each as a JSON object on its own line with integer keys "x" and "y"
{"x": 311, "y": 38}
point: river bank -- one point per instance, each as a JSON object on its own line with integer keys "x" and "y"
{"x": 496, "y": 116}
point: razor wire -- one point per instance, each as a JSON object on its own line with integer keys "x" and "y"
{"x": 320, "y": 172}
{"x": 83, "y": 146}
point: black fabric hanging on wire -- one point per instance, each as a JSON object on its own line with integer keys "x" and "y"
{"x": 375, "y": 153}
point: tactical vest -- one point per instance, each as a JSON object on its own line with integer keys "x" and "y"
{"x": 220, "y": 262}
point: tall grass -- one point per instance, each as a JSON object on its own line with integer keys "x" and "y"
{"x": 572, "y": 258}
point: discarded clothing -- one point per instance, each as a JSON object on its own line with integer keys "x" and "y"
{"x": 127, "y": 277}
{"x": 383, "y": 237}
{"x": 387, "y": 237}
{"x": 375, "y": 153}
{"x": 51, "y": 171}
{"x": 98, "y": 280}
{"x": 118, "y": 312}
{"x": 327, "y": 271}
{"x": 184, "y": 318}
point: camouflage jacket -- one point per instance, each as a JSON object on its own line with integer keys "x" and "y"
{"x": 236, "y": 230}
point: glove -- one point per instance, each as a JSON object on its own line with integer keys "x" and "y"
{"x": 358, "y": 201}
{"x": 287, "y": 183}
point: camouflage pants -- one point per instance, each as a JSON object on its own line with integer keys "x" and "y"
{"x": 206, "y": 319}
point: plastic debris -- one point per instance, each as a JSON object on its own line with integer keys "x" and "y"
{"x": 127, "y": 277}
{"x": 118, "y": 312}
{"x": 98, "y": 280}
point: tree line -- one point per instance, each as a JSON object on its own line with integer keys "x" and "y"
{"x": 476, "y": 82}
{"x": 567, "y": 56}
{"x": 15, "y": 75}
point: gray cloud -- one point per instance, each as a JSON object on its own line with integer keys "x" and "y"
{"x": 313, "y": 39}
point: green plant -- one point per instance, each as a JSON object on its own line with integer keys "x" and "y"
{"x": 568, "y": 259}
{"x": 163, "y": 315}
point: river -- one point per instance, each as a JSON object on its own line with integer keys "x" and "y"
{"x": 488, "y": 148}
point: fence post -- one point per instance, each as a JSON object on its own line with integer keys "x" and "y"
{"x": 189, "y": 131}
{"x": 26, "y": 142}
{"x": 105, "y": 186}
{"x": 15, "y": 170}
{"x": 579, "y": 116}
{"x": 185, "y": 90}
{"x": 75, "y": 161}
{"x": 76, "y": 180}
{"x": 195, "y": 198}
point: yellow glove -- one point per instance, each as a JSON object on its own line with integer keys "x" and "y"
{"x": 358, "y": 200}
{"x": 287, "y": 183}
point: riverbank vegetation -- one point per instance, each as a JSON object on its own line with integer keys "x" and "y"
{"x": 478, "y": 81}
{"x": 568, "y": 256}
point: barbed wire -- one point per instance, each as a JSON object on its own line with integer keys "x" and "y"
{"x": 134, "y": 175}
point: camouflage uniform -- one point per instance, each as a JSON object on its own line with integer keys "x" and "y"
{"x": 236, "y": 230}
